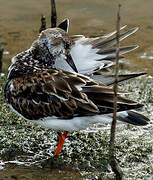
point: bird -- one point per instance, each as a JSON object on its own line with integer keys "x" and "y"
{"x": 53, "y": 83}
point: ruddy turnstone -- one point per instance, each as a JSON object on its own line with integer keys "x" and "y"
{"x": 47, "y": 84}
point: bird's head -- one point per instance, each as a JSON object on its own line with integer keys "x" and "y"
{"x": 55, "y": 43}
{"x": 52, "y": 44}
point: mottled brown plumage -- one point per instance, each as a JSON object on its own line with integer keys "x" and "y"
{"x": 62, "y": 94}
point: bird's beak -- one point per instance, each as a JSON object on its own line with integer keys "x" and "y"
{"x": 70, "y": 61}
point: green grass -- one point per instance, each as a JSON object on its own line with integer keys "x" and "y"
{"x": 87, "y": 150}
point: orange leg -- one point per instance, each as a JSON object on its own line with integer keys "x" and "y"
{"x": 62, "y": 137}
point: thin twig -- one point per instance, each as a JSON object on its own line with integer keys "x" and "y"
{"x": 43, "y": 23}
{"x": 115, "y": 167}
{"x": 1, "y": 56}
{"x": 53, "y": 14}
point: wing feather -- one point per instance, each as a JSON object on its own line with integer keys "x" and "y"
{"x": 93, "y": 54}
{"x": 50, "y": 93}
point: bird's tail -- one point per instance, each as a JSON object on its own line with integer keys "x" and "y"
{"x": 132, "y": 117}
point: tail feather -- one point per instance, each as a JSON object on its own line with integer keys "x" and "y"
{"x": 133, "y": 118}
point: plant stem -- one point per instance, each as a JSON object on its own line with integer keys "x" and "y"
{"x": 53, "y": 14}
{"x": 43, "y": 23}
{"x": 1, "y": 56}
{"x": 115, "y": 167}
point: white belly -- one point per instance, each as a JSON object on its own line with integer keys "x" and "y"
{"x": 75, "y": 124}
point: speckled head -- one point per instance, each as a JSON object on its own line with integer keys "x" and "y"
{"x": 52, "y": 44}
{"x": 55, "y": 40}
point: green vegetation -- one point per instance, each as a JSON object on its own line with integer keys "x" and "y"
{"x": 86, "y": 151}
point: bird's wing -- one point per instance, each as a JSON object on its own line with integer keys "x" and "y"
{"x": 61, "y": 94}
{"x": 92, "y": 54}
{"x": 110, "y": 79}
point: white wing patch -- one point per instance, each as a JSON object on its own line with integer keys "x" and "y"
{"x": 85, "y": 57}
{"x": 61, "y": 63}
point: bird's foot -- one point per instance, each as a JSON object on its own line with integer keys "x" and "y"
{"x": 62, "y": 137}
